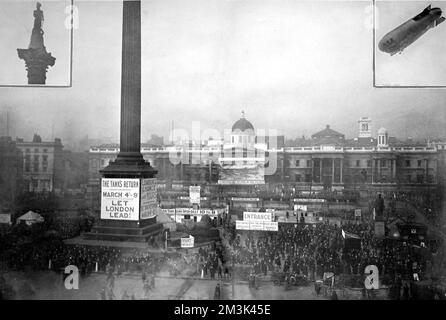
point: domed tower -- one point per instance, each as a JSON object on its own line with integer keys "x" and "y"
{"x": 242, "y": 134}
{"x": 383, "y": 138}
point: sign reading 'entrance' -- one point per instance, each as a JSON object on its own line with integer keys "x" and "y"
{"x": 120, "y": 199}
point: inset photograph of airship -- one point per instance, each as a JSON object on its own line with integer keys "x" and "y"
{"x": 410, "y": 44}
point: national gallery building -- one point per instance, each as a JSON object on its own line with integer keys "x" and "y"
{"x": 246, "y": 164}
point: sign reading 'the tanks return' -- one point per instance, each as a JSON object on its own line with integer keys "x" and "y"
{"x": 120, "y": 199}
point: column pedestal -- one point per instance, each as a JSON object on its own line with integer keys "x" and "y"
{"x": 37, "y": 62}
{"x": 120, "y": 221}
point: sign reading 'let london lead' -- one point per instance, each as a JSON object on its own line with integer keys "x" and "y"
{"x": 120, "y": 199}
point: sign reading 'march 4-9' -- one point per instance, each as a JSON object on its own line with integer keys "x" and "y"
{"x": 121, "y": 199}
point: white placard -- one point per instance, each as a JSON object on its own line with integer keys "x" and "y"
{"x": 241, "y": 225}
{"x": 301, "y": 207}
{"x": 194, "y": 194}
{"x": 271, "y": 226}
{"x": 120, "y": 199}
{"x": 258, "y": 216}
{"x": 253, "y": 225}
{"x": 187, "y": 242}
{"x": 148, "y": 198}
{"x": 256, "y": 225}
{"x": 357, "y": 212}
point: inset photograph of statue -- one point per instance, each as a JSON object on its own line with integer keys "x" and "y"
{"x": 36, "y": 43}
{"x": 409, "y": 43}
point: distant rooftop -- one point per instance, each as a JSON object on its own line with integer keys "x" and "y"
{"x": 328, "y": 133}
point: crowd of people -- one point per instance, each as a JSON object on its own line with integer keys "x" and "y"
{"x": 212, "y": 262}
{"x": 312, "y": 250}
{"x": 428, "y": 203}
{"x": 306, "y": 250}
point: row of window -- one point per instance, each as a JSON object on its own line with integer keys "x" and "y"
{"x": 36, "y": 158}
{"x": 36, "y": 150}
{"x": 419, "y": 178}
{"x": 244, "y": 139}
{"x": 35, "y": 167}
{"x": 35, "y": 163}
{"x": 357, "y": 163}
{"x": 44, "y": 185}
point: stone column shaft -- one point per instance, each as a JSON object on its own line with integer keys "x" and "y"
{"x": 320, "y": 170}
{"x": 130, "y": 139}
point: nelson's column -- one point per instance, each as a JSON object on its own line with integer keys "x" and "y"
{"x": 37, "y": 59}
{"x": 128, "y": 186}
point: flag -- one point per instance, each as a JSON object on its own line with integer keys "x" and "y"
{"x": 349, "y": 235}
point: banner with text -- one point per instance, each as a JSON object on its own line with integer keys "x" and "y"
{"x": 256, "y": 225}
{"x": 241, "y": 171}
{"x": 191, "y": 211}
{"x": 148, "y": 198}
{"x": 258, "y": 216}
{"x": 305, "y": 200}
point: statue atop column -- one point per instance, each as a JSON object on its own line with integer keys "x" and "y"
{"x": 37, "y": 33}
{"x": 37, "y": 59}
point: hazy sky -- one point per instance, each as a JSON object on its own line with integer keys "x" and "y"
{"x": 16, "y": 24}
{"x": 294, "y": 66}
{"x": 423, "y": 63}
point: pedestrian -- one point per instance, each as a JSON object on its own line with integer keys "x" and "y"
{"x": 103, "y": 294}
{"x": 217, "y": 292}
{"x": 220, "y": 272}
{"x": 317, "y": 287}
{"x": 406, "y": 292}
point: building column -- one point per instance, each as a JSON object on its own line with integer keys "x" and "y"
{"x": 341, "y": 178}
{"x": 130, "y": 139}
{"x": 210, "y": 170}
{"x": 426, "y": 169}
{"x": 283, "y": 166}
{"x": 312, "y": 170}
{"x": 333, "y": 170}
{"x": 373, "y": 170}
{"x": 174, "y": 171}
{"x": 394, "y": 170}
{"x": 181, "y": 171}
{"x": 379, "y": 170}
{"x": 320, "y": 170}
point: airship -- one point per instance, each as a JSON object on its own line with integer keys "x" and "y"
{"x": 401, "y": 37}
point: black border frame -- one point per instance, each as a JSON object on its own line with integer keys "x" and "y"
{"x": 70, "y": 84}
{"x": 374, "y": 62}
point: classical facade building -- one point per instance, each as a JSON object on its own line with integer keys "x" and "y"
{"x": 43, "y": 164}
{"x": 327, "y": 161}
